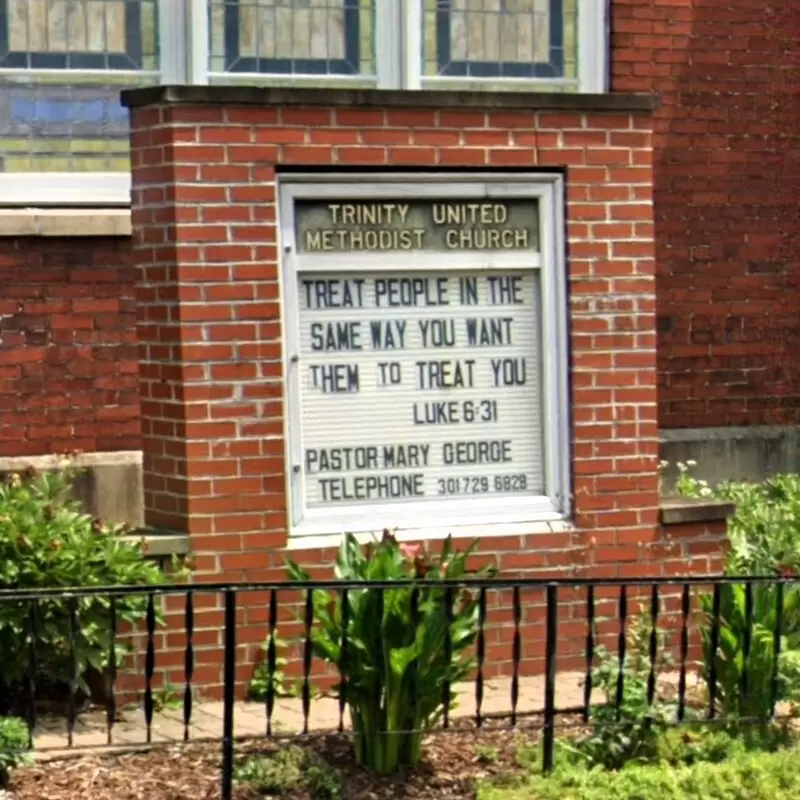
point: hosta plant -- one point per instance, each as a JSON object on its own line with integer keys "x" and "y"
{"x": 391, "y": 645}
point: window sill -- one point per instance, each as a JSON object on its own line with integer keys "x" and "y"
{"x": 51, "y": 222}
{"x": 308, "y": 541}
{"x": 677, "y": 511}
{"x": 687, "y": 510}
{"x": 91, "y": 191}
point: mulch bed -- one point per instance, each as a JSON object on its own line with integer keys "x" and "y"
{"x": 453, "y": 764}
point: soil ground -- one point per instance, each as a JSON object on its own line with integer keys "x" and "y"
{"x": 454, "y": 763}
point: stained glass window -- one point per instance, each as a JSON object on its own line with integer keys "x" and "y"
{"x": 500, "y": 39}
{"x": 64, "y": 63}
{"x": 293, "y": 37}
{"x": 78, "y": 34}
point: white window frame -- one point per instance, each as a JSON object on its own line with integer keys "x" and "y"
{"x": 593, "y": 43}
{"x": 497, "y": 514}
{"x": 184, "y": 57}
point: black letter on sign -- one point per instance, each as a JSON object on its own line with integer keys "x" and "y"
{"x": 335, "y": 378}
{"x": 508, "y": 371}
{"x": 390, "y": 372}
{"x": 468, "y": 291}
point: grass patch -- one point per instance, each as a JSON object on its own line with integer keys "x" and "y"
{"x": 754, "y": 776}
{"x": 487, "y": 754}
{"x": 687, "y": 765}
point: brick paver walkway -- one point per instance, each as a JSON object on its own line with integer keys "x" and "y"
{"x": 250, "y": 718}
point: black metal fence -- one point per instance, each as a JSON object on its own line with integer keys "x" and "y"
{"x": 51, "y": 640}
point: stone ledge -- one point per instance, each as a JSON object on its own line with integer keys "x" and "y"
{"x": 376, "y": 98}
{"x": 161, "y": 544}
{"x": 725, "y": 433}
{"x": 65, "y": 222}
{"x": 80, "y": 461}
{"x": 683, "y": 510}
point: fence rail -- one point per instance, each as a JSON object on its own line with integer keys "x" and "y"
{"x": 542, "y": 637}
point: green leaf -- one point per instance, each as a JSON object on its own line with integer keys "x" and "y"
{"x": 400, "y": 658}
{"x": 48, "y": 541}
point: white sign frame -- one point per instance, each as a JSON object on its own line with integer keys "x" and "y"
{"x": 548, "y": 190}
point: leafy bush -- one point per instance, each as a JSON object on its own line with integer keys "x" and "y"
{"x": 729, "y": 659}
{"x": 261, "y": 680}
{"x": 640, "y": 732}
{"x": 47, "y": 541}
{"x": 630, "y": 733}
{"x": 750, "y": 775}
{"x": 686, "y": 745}
{"x": 764, "y": 532}
{"x": 395, "y": 662}
{"x": 764, "y": 539}
{"x": 13, "y": 746}
{"x": 287, "y": 771}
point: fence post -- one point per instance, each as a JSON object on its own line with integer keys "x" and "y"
{"x": 548, "y": 739}
{"x": 228, "y": 694}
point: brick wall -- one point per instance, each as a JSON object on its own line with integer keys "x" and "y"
{"x": 205, "y": 238}
{"x": 684, "y": 549}
{"x": 204, "y": 208}
{"x": 68, "y": 359}
{"x": 727, "y": 152}
{"x": 204, "y": 217}
{"x": 727, "y": 198}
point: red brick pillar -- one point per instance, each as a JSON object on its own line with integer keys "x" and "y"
{"x": 204, "y": 200}
{"x": 209, "y": 332}
{"x": 206, "y": 163}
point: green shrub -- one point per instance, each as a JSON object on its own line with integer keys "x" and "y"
{"x": 763, "y": 539}
{"x": 747, "y": 776}
{"x": 617, "y": 737}
{"x": 395, "y": 662}
{"x": 47, "y": 541}
{"x": 729, "y": 659}
{"x": 685, "y": 745}
{"x": 13, "y": 746}
{"x": 288, "y": 770}
{"x": 764, "y": 532}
